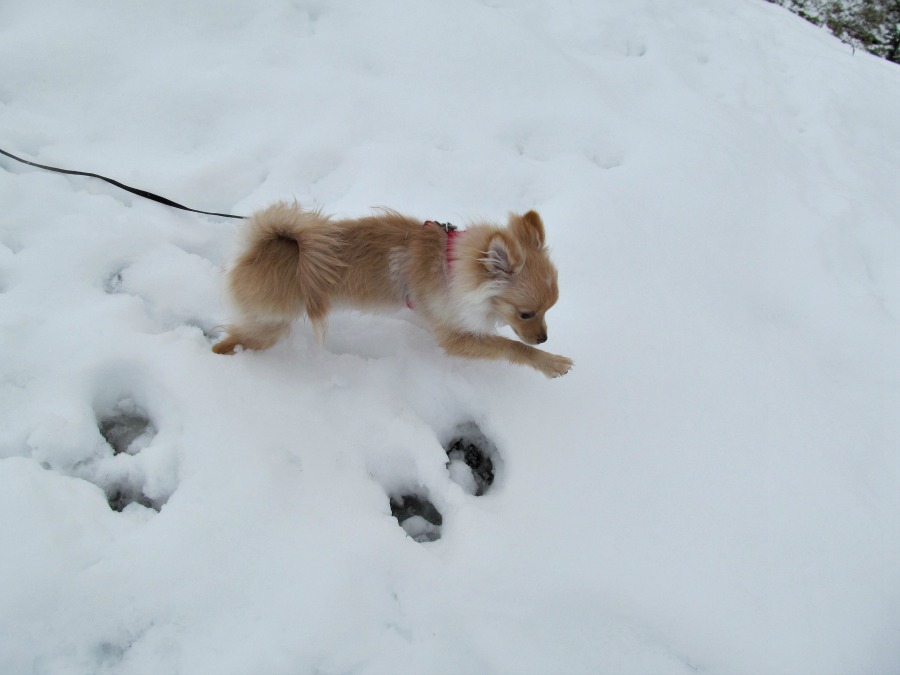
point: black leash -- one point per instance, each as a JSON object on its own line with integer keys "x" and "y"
{"x": 136, "y": 191}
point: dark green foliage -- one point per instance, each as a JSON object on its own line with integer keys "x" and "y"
{"x": 872, "y": 25}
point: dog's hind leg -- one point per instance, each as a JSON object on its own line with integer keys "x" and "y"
{"x": 258, "y": 335}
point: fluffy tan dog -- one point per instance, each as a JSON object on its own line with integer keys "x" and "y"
{"x": 462, "y": 283}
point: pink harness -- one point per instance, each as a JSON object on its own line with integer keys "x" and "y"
{"x": 452, "y": 233}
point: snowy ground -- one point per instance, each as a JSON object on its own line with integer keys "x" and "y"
{"x": 714, "y": 488}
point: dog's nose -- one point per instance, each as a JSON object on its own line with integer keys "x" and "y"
{"x": 541, "y": 339}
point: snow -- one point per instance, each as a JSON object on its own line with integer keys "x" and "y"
{"x": 715, "y": 487}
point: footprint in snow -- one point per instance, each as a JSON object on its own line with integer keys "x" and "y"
{"x": 419, "y": 518}
{"x": 128, "y": 430}
{"x": 136, "y": 462}
{"x": 471, "y": 458}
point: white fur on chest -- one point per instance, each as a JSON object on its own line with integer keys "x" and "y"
{"x": 471, "y": 308}
{"x": 460, "y": 305}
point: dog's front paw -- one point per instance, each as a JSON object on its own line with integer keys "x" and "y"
{"x": 553, "y": 365}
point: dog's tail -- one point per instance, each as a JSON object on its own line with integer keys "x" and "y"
{"x": 291, "y": 264}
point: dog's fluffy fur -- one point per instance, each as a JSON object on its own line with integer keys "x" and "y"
{"x": 299, "y": 262}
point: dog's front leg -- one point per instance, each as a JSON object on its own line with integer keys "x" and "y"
{"x": 476, "y": 346}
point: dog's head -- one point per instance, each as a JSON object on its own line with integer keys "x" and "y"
{"x": 517, "y": 260}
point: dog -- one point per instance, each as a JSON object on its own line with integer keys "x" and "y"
{"x": 464, "y": 284}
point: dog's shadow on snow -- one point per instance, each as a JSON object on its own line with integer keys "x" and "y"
{"x": 374, "y": 336}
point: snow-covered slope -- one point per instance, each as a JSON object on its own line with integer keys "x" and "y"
{"x": 715, "y": 487}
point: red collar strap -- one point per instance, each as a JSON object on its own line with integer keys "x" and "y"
{"x": 452, "y": 233}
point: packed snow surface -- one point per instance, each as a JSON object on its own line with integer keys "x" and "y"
{"x": 714, "y": 488}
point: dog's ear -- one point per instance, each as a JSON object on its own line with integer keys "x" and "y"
{"x": 503, "y": 258}
{"x": 528, "y": 229}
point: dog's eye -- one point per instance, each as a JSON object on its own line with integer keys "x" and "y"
{"x": 526, "y": 315}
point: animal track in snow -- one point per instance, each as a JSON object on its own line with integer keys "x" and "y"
{"x": 472, "y": 460}
{"x": 120, "y": 447}
{"x": 113, "y": 283}
{"x": 123, "y": 495}
{"x": 127, "y": 428}
{"x": 417, "y": 516}
{"x": 136, "y": 461}
{"x": 472, "y": 457}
